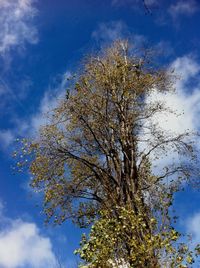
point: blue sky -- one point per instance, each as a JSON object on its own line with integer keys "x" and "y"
{"x": 41, "y": 44}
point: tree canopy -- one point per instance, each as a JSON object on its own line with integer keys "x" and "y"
{"x": 95, "y": 161}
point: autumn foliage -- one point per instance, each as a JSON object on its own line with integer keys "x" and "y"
{"x": 95, "y": 161}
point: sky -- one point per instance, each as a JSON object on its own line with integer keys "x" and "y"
{"x": 41, "y": 44}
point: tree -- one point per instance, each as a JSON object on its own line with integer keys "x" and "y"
{"x": 95, "y": 161}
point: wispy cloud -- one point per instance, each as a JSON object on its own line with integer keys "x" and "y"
{"x": 30, "y": 127}
{"x": 134, "y": 3}
{"x": 17, "y": 29}
{"x": 12, "y": 93}
{"x": 193, "y": 227}
{"x": 165, "y": 48}
{"x": 183, "y": 7}
{"x": 16, "y": 20}
{"x": 6, "y": 138}
{"x": 113, "y": 30}
{"x": 1, "y": 209}
{"x": 49, "y": 101}
{"x": 23, "y": 245}
{"x": 108, "y": 32}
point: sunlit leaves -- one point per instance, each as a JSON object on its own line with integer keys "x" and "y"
{"x": 106, "y": 247}
{"x": 94, "y": 161}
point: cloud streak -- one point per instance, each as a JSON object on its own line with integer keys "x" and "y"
{"x": 113, "y": 30}
{"x": 6, "y": 138}
{"x": 108, "y": 32}
{"x": 49, "y": 101}
{"x": 30, "y": 127}
{"x": 192, "y": 226}
{"x": 134, "y": 3}
{"x": 16, "y": 20}
{"x": 183, "y": 7}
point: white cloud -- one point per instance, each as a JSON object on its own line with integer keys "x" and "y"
{"x": 16, "y": 18}
{"x": 186, "y": 68}
{"x": 185, "y": 101}
{"x": 183, "y": 109}
{"x": 22, "y": 245}
{"x": 183, "y": 7}
{"x": 193, "y": 227}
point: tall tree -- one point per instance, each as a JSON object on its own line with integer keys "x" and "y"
{"x": 95, "y": 161}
